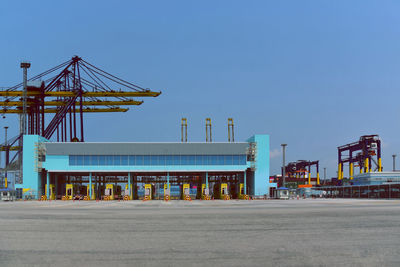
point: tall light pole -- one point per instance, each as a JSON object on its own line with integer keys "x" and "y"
{"x": 283, "y": 165}
{"x": 5, "y": 135}
{"x": 7, "y": 151}
{"x": 22, "y": 119}
{"x": 324, "y": 174}
{"x": 1, "y": 150}
{"x": 25, "y": 66}
{"x": 394, "y": 162}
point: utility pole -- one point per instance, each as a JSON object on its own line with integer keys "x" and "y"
{"x": 283, "y": 165}
{"x": 394, "y": 162}
{"x": 1, "y": 151}
{"x": 324, "y": 174}
{"x": 7, "y": 157}
{"x": 5, "y": 141}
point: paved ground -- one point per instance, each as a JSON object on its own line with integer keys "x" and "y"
{"x": 201, "y": 233}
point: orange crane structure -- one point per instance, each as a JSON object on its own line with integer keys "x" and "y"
{"x": 68, "y": 91}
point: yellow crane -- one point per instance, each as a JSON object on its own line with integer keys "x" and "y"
{"x": 67, "y": 91}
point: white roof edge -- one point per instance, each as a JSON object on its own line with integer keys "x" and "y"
{"x": 146, "y": 143}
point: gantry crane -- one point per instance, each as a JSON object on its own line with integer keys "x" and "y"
{"x": 361, "y": 153}
{"x": 300, "y": 171}
{"x": 67, "y": 91}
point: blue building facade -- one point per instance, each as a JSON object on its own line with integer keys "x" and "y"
{"x": 238, "y": 164}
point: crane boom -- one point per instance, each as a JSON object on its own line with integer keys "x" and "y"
{"x": 85, "y": 103}
{"x": 84, "y": 94}
{"x": 87, "y": 110}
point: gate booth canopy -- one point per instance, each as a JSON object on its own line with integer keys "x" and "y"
{"x": 282, "y": 193}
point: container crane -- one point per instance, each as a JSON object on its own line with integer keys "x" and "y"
{"x": 67, "y": 91}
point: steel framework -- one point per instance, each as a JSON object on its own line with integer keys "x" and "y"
{"x": 300, "y": 168}
{"x": 67, "y": 91}
{"x": 361, "y": 153}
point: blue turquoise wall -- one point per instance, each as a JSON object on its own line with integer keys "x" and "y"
{"x": 261, "y": 174}
{"x": 56, "y": 163}
{"x": 30, "y": 176}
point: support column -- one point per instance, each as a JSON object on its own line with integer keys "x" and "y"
{"x": 130, "y": 185}
{"x": 207, "y": 180}
{"x": 55, "y": 185}
{"x": 168, "y": 186}
{"x": 48, "y": 186}
{"x": 244, "y": 183}
{"x": 366, "y": 164}
{"x": 90, "y": 186}
{"x": 351, "y": 171}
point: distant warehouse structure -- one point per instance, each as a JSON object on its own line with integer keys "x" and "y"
{"x": 364, "y": 185}
{"x": 151, "y": 170}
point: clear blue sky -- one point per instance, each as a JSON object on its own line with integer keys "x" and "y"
{"x": 313, "y": 74}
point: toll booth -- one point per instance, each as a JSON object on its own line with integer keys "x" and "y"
{"x": 52, "y": 193}
{"x": 93, "y": 196}
{"x": 69, "y": 191}
{"x": 205, "y": 192}
{"x": 241, "y": 190}
{"x": 128, "y": 192}
{"x": 185, "y": 191}
{"x": 109, "y": 192}
{"x": 148, "y": 191}
{"x": 224, "y": 193}
{"x": 167, "y": 192}
{"x": 241, "y": 193}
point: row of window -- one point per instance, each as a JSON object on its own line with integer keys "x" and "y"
{"x": 160, "y": 160}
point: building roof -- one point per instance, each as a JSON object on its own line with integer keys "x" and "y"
{"x": 146, "y": 148}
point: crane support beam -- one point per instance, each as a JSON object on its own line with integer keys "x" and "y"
{"x": 11, "y": 148}
{"x": 84, "y": 94}
{"x": 16, "y": 111}
{"x": 84, "y": 103}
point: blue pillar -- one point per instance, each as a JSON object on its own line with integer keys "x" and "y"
{"x": 48, "y": 186}
{"x": 129, "y": 185}
{"x": 168, "y": 180}
{"x": 90, "y": 185}
{"x": 206, "y": 179}
{"x": 244, "y": 183}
